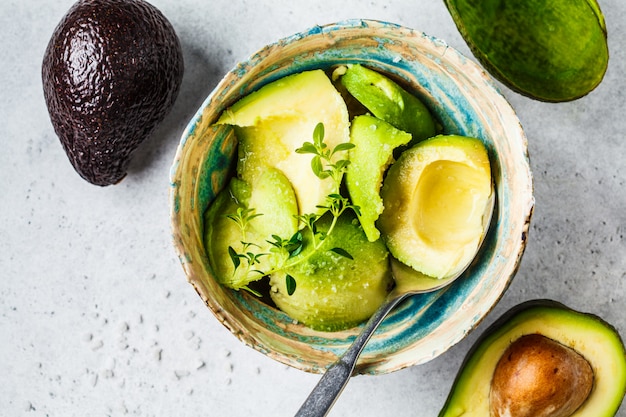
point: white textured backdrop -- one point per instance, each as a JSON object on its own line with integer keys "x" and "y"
{"x": 96, "y": 317}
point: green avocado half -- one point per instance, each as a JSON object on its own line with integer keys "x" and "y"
{"x": 549, "y": 50}
{"x": 586, "y": 334}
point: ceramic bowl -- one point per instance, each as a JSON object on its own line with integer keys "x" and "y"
{"x": 465, "y": 101}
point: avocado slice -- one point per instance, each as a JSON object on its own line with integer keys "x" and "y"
{"x": 550, "y": 50}
{"x": 435, "y": 197}
{"x": 375, "y": 141}
{"x": 335, "y": 291}
{"x": 588, "y": 335}
{"x": 274, "y": 121}
{"x": 273, "y": 210}
{"x": 220, "y": 232}
{"x": 389, "y": 101}
{"x": 274, "y": 200}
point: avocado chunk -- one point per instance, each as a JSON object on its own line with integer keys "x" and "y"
{"x": 388, "y": 101}
{"x": 277, "y": 119}
{"x": 335, "y": 291}
{"x": 374, "y": 142}
{"x": 550, "y": 50}
{"x": 221, "y": 232}
{"x": 111, "y": 72}
{"x": 552, "y": 345}
{"x": 242, "y": 221}
{"x": 274, "y": 201}
{"x": 435, "y": 198}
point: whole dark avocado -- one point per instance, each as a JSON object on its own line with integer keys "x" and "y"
{"x": 111, "y": 72}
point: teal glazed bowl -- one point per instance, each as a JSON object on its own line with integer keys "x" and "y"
{"x": 465, "y": 101}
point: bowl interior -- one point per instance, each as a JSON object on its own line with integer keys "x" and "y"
{"x": 463, "y": 99}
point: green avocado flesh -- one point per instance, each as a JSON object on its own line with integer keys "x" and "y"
{"x": 271, "y": 125}
{"x": 545, "y": 49}
{"x": 375, "y": 141}
{"x": 276, "y": 120}
{"x": 435, "y": 197}
{"x": 388, "y": 101}
{"x": 220, "y": 232}
{"x": 274, "y": 200}
{"x": 334, "y": 292}
{"x": 588, "y": 335}
{"x": 306, "y": 208}
{"x": 273, "y": 205}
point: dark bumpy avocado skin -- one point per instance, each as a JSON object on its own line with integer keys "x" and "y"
{"x": 111, "y": 72}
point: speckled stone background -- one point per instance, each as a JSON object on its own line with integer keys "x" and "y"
{"x": 96, "y": 317}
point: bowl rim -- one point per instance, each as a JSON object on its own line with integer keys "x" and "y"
{"x": 526, "y": 198}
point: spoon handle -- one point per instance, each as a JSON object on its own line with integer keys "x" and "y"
{"x": 321, "y": 399}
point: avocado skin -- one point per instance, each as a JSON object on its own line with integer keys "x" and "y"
{"x": 111, "y": 72}
{"x": 613, "y": 375}
{"x": 547, "y": 50}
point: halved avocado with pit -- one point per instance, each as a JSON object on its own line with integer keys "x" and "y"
{"x": 586, "y": 335}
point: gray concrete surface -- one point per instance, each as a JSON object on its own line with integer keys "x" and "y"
{"x": 96, "y": 318}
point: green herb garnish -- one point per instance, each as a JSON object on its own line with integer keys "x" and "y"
{"x": 284, "y": 249}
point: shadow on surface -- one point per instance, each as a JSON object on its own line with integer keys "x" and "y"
{"x": 200, "y": 77}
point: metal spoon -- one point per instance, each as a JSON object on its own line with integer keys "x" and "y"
{"x": 321, "y": 399}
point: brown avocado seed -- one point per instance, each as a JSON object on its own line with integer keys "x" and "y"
{"x": 538, "y": 377}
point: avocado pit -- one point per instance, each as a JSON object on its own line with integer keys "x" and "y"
{"x": 539, "y": 377}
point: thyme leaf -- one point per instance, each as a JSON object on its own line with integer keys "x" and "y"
{"x": 234, "y": 257}
{"x": 290, "y": 282}
{"x": 342, "y": 252}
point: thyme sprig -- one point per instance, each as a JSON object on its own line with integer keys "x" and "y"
{"x": 248, "y": 255}
{"x": 321, "y": 163}
{"x": 324, "y": 167}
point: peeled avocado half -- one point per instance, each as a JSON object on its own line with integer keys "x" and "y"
{"x": 335, "y": 292}
{"x": 549, "y": 346}
{"x": 435, "y": 197}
